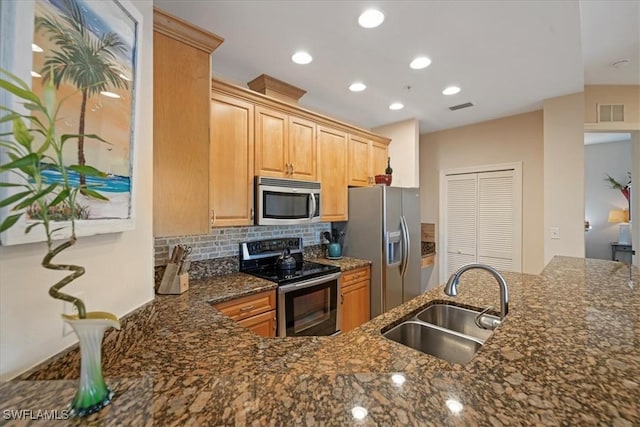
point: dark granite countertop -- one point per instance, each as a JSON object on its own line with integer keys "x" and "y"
{"x": 568, "y": 353}
{"x": 345, "y": 263}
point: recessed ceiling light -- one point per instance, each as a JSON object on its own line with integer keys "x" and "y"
{"x": 301, "y": 58}
{"x": 109, "y": 94}
{"x": 396, "y": 106}
{"x": 357, "y": 87}
{"x": 451, "y": 90}
{"x": 36, "y": 48}
{"x": 36, "y": 75}
{"x": 371, "y": 18}
{"x": 420, "y": 62}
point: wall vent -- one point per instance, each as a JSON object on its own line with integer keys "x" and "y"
{"x": 461, "y": 106}
{"x": 610, "y": 113}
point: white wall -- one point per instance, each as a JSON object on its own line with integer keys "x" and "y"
{"x": 404, "y": 151}
{"x": 119, "y": 275}
{"x": 510, "y": 139}
{"x": 564, "y": 175}
{"x": 613, "y": 158}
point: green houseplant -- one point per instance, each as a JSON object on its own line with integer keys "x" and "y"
{"x": 33, "y": 150}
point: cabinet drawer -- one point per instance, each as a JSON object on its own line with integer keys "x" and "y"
{"x": 248, "y": 306}
{"x": 263, "y": 324}
{"x": 354, "y": 276}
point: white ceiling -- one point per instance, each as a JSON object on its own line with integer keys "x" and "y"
{"x": 506, "y": 56}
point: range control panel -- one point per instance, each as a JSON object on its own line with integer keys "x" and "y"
{"x": 261, "y": 248}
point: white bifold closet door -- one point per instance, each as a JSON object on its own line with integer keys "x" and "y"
{"x": 483, "y": 222}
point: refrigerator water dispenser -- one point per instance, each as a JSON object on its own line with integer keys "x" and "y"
{"x": 394, "y": 250}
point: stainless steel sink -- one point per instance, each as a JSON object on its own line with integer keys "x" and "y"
{"x": 457, "y": 319}
{"x": 445, "y": 331}
{"x": 447, "y": 345}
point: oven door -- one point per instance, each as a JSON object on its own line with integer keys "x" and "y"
{"x": 310, "y": 308}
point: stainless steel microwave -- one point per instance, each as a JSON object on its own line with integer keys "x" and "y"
{"x": 280, "y": 201}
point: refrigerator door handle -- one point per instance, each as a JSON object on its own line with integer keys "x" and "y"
{"x": 405, "y": 245}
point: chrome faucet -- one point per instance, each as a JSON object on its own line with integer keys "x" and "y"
{"x": 451, "y": 288}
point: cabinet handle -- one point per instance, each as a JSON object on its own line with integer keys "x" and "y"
{"x": 341, "y": 299}
{"x": 252, "y": 215}
{"x": 293, "y": 168}
{"x": 213, "y": 217}
{"x": 247, "y": 308}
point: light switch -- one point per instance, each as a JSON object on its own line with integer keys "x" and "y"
{"x": 555, "y": 233}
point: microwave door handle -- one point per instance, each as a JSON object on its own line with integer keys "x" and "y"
{"x": 312, "y": 208}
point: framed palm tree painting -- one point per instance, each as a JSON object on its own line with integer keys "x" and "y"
{"x": 88, "y": 49}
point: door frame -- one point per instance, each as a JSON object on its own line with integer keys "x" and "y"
{"x": 442, "y": 233}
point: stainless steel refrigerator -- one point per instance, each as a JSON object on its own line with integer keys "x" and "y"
{"x": 384, "y": 227}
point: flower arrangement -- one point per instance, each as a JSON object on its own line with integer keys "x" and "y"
{"x": 624, "y": 189}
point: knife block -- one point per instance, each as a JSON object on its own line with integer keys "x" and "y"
{"x": 173, "y": 283}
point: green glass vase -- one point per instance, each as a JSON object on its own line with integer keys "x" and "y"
{"x": 93, "y": 393}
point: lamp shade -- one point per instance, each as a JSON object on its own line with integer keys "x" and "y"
{"x": 618, "y": 215}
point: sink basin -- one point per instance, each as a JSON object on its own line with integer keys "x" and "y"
{"x": 445, "y": 331}
{"x": 457, "y": 319}
{"x": 447, "y": 345}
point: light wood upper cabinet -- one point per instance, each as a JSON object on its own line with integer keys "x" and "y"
{"x": 378, "y": 157}
{"x": 285, "y": 145}
{"x": 302, "y": 149}
{"x": 272, "y": 136}
{"x": 231, "y": 161}
{"x": 332, "y": 163}
{"x": 367, "y": 159}
{"x": 181, "y": 81}
{"x": 359, "y": 168}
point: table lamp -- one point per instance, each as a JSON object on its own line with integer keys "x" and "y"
{"x": 621, "y": 216}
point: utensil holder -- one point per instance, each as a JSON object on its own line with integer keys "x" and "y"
{"x": 172, "y": 281}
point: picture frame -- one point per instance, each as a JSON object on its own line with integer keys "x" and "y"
{"x": 118, "y": 121}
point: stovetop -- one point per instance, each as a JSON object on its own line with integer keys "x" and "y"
{"x": 259, "y": 258}
{"x": 304, "y": 271}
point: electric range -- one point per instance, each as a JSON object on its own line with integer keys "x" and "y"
{"x": 307, "y": 295}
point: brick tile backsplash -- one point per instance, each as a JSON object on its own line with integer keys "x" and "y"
{"x": 223, "y": 242}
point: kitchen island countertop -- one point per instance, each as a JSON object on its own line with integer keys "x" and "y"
{"x": 568, "y": 353}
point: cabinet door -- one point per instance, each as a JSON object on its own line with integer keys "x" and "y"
{"x": 302, "y": 149}
{"x": 379, "y": 154}
{"x": 231, "y": 161}
{"x": 180, "y": 138}
{"x": 355, "y": 305}
{"x": 332, "y": 163}
{"x": 271, "y": 142}
{"x": 359, "y": 160}
{"x": 263, "y": 324}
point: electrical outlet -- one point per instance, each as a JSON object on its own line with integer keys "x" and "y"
{"x": 70, "y": 309}
{"x": 555, "y": 233}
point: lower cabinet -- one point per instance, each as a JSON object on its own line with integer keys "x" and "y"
{"x": 355, "y": 298}
{"x": 255, "y": 312}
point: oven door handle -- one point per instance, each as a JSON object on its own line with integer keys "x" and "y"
{"x": 309, "y": 283}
